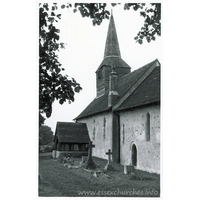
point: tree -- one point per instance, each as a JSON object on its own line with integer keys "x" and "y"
{"x": 152, "y": 20}
{"x": 52, "y": 84}
{"x": 45, "y": 135}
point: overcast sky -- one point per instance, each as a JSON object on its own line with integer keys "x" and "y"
{"x": 85, "y": 49}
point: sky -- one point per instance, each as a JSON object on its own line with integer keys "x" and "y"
{"x": 84, "y": 52}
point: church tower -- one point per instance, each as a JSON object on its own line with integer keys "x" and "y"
{"x": 112, "y": 59}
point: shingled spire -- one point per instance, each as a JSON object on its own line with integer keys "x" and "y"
{"x": 112, "y": 44}
{"x": 112, "y": 57}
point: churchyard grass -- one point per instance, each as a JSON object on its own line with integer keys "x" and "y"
{"x": 57, "y": 180}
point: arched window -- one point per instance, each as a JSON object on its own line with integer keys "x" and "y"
{"x": 147, "y": 127}
{"x": 134, "y": 155}
{"x": 94, "y": 132}
{"x": 104, "y": 128}
{"x": 123, "y": 132}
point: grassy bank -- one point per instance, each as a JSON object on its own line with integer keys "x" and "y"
{"x": 58, "y": 180}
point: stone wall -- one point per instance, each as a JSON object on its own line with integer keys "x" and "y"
{"x": 100, "y": 133}
{"x": 133, "y": 130}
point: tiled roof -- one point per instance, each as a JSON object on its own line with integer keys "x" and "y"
{"x": 130, "y": 79}
{"x": 71, "y": 132}
{"x": 96, "y": 106}
{"x": 147, "y": 92}
{"x": 101, "y": 104}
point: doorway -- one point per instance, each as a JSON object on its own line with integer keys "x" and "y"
{"x": 134, "y": 155}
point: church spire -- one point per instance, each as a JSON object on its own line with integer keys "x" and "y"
{"x": 112, "y": 57}
{"x": 112, "y": 45}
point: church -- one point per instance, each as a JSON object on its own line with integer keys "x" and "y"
{"x": 125, "y": 114}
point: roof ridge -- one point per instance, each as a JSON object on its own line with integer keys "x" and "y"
{"x": 139, "y": 68}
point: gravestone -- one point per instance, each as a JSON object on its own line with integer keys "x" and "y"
{"x": 54, "y": 153}
{"x": 84, "y": 159}
{"x": 90, "y": 164}
{"x": 129, "y": 169}
{"x": 108, "y": 165}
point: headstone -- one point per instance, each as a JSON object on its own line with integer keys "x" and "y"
{"x": 128, "y": 169}
{"x": 54, "y": 153}
{"x": 84, "y": 159}
{"x": 90, "y": 164}
{"x": 108, "y": 165}
{"x": 95, "y": 174}
{"x": 109, "y": 153}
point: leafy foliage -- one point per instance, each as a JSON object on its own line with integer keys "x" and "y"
{"x": 45, "y": 135}
{"x": 96, "y": 11}
{"x": 152, "y": 20}
{"x": 52, "y": 83}
{"x": 151, "y": 13}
